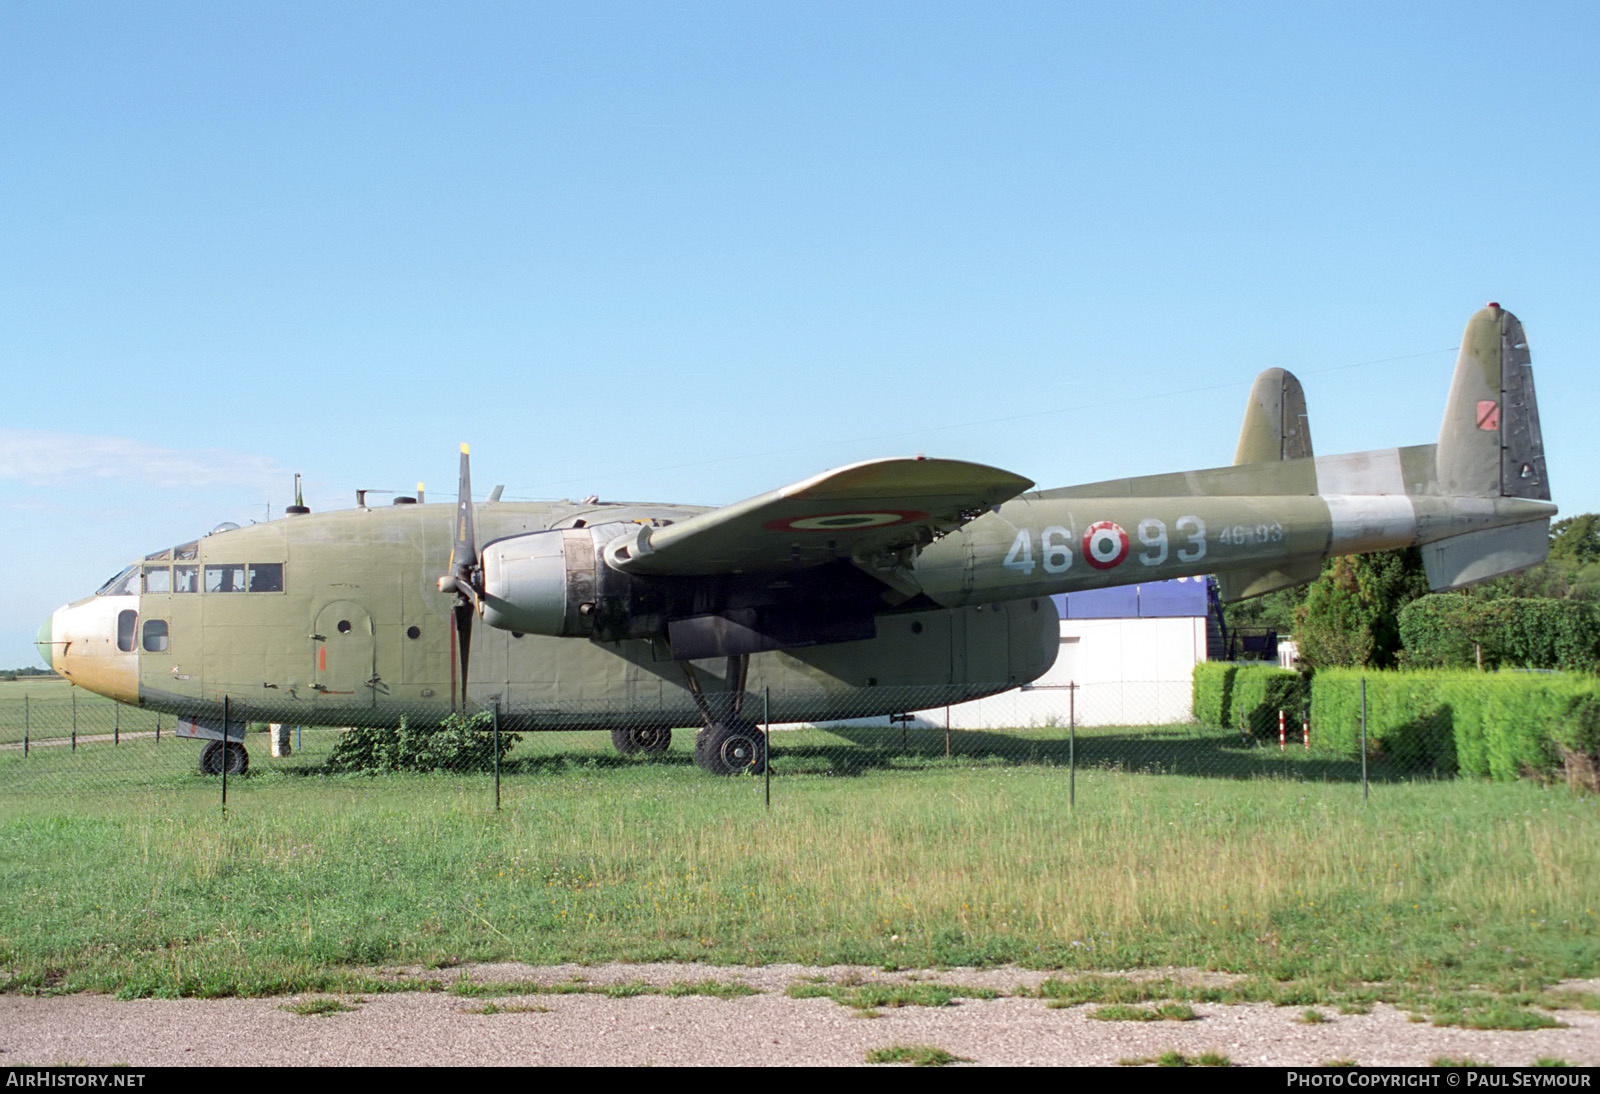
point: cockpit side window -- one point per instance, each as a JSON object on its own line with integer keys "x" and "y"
{"x": 186, "y": 579}
{"x": 157, "y": 579}
{"x": 126, "y": 621}
{"x": 121, "y": 585}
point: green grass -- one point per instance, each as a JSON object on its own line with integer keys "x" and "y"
{"x": 880, "y": 996}
{"x": 915, "y": 1055}
{"x": 123, "y": 875}
{"x": 510, "y": 1008}
{"x": 310, "y": 1007}
{"x": 1166, "y": 1012}
{"x": 47, "y": 708}
{"x": 1174, "y": 1058}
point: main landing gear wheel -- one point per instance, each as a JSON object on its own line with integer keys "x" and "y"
{"x": 731, "y": 748}
{"x": 650, "y": 740}
{"x": 211, "y": 758}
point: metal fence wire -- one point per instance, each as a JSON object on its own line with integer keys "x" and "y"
{"x": 56, "y": 740}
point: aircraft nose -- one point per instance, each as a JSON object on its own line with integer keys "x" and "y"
{"x": 45, "y": 649}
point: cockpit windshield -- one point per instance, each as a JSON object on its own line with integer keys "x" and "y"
{"x": 122, "y": 585}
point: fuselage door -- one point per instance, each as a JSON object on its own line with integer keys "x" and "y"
{"x": 343, "y": 655}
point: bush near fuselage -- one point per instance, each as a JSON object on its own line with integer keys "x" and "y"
{"x": 460, "y": 744}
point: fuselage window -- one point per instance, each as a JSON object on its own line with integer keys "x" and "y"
{"x": 266, "y": 577}
{"x": 155, "y": 635}
{"x": 157, "y": 579}
{"x": 126, "y": 621}
{"x": 186, "y": 579}
{"x": 225, "y": 579}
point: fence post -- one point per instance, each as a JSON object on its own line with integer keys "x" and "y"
{"x": 74, "y": 696}
{"x": 25, "y": 723}
{"x": 116, "y": 724}
{"x": 766, "y": 728}
{"x": 496, "y": 753}
{"x": 1363, "y": 742}
{"x": 224, "y": 756}
{"x": 1072, "y": 744}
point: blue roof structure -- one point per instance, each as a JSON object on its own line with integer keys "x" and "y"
{"x": 1182, "y": 597}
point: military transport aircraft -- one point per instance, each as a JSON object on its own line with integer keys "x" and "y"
{"x": 833, "y": 595}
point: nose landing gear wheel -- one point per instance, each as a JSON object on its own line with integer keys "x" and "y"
{"x": 212, "y": 758}
{"x": 728, "y": 749}
{"x": 650, "y": 740}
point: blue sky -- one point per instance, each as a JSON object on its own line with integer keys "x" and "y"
{"x": 691, "y": 252}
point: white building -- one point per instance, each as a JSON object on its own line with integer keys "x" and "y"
{"x": 1127, "y": 658}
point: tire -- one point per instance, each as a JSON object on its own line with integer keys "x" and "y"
{"x": 651, "y": 740}
{"x": 724, "y": 749}
{"x": 211, "y": 758}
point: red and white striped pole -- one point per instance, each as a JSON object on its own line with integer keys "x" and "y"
{"x": 1283, "y": 731}
{"x": 1305, "y": 731}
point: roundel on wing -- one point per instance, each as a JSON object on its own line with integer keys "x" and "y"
{"x": 841, "y": 522}
{"x": 1105, "y": 544}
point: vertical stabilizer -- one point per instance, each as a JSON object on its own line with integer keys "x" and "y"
{"x": 1276, "y": 427}
{"x": 1490, "y": 444}
{"x": 1275, "y": 423}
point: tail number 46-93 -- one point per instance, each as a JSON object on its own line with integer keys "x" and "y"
{"x": 1106, "y": 545}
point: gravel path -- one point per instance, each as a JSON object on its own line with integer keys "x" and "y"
{"x": 419, "y": 1027}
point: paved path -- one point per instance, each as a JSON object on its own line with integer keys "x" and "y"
{"x": 419, "y": 1028}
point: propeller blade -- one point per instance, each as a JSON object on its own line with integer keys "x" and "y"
{"x": 464, "y": 564}
{"x": 462, "y": 620}
{"x": 464, "y": 551}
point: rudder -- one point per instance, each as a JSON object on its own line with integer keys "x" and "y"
{"x": 1490, "y": 444}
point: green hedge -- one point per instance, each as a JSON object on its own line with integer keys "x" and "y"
{"x": 1213, "y": 691}
{"x": 1226, "y": 692}
{"x": 1505, "y": 725}
{"x": 1447, "y": 630}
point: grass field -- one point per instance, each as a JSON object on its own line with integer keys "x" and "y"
{"x": 122, "y": 874}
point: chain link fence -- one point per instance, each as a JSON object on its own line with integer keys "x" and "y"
{"x": 56, "y": 740}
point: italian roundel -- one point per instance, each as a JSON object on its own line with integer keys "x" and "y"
{"x": 838, "y": 522}
{"x": 1105, "y": 545}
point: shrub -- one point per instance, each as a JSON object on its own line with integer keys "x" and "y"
{"x": 1260, "y": 691}
{"x": 462, "y": 743}
{"x": 1505, "y": 725}
{"x": 1448, "y": 630}
{"x": 1213, "y": 689}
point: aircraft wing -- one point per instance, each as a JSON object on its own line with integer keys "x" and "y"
{"x": 860, "y": 511}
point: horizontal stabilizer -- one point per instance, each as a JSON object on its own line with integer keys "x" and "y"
{"x": 1243, "y": 584}
{"x": 1478, "y": 556}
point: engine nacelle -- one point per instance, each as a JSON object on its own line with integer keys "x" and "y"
{"x": 546, "y": 582}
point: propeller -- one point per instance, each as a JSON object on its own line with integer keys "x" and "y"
{"x": 466, "y": 572}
